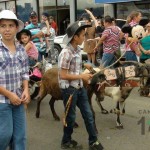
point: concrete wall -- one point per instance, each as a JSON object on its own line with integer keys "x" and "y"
{"x": 109, "y": 10}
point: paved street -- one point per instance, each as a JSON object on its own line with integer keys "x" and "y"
{"x": 45, "y": 133}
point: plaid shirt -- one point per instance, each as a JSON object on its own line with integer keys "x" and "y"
{"x": 70, "y": 59}
{"x": 13, "y": 70}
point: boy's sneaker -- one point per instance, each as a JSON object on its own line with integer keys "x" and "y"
{"x": 72, "y": 145}
{"x": 96, "y": 146}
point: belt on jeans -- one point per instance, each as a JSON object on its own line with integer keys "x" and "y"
{"x": 77, "y": 87}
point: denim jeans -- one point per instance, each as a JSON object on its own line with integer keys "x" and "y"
{"x": 108, "y": 59}
{"x": 79, "y": 99}
{"x": 130, "y": 56}
{"x": 12, "y": 127}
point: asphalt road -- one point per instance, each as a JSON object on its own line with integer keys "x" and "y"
{"x": 45, "y": 133}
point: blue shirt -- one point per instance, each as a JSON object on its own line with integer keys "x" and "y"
{"x": 13, "y": 70}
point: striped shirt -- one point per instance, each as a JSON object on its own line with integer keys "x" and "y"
{"x": 112, "y": 41}
{"x": 70, "y": 59}
{"x": 13, "y": 70}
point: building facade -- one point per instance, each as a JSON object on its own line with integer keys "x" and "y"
{"x": 66, "y": 11}
{"x": 122, "y": 9}
{"x": 63, "y": 11}
{"x": 59, "y": 9}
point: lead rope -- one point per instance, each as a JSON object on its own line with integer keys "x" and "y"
{"x": 67, "y": 109}
{"x": 117, "y": 59}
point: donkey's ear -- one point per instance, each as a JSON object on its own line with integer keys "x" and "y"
{"x": 126, "y": 28}
{"x": 144, "y": 21}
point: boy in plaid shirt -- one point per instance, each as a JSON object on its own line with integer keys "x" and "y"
{"x": 14, "y": 76}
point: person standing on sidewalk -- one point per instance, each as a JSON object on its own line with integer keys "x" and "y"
{"x": 14, "y": 76}
{"x": 71, "y": 83}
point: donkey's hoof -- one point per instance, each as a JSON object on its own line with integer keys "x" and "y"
{"x": 57, "y": 118}
{"x": 119, "y": 126}
{"x": 37, "y": 115}
{"x": 104, "y": 111}
{"x": 76, "y": 125}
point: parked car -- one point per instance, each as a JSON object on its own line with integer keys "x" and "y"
{"x": 58, "y": 46}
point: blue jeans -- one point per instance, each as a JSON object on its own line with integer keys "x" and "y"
{"x": 79, "y": 99}
{"x": 12, "y": 127}
{"x": 130, "y": 56}
{"x": 108, "y": 59}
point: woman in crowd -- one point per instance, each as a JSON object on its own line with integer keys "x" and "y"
{"x": 131, "y": 47}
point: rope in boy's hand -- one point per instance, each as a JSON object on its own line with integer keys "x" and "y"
{"x": 67, "y": 110}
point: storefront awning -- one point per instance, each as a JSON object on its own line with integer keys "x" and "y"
{"x": 114, "y": 1}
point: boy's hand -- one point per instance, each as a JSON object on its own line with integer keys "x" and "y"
{"x": 25, "y": 97}
{"x": 86, "y": 77}
{"x": 14, "y": 99}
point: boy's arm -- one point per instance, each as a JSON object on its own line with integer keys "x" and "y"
{"x": 14, "y": 99}
{"x": 25, "y": 97}
{"x": 5, "y": 92}
{"x": 66, "y": 76}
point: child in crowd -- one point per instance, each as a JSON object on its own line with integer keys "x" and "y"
{"x": 45, "y": 28}
{"x": 24, "y": 37}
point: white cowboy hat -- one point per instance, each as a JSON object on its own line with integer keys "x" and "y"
{"x": 7, "y": 14}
